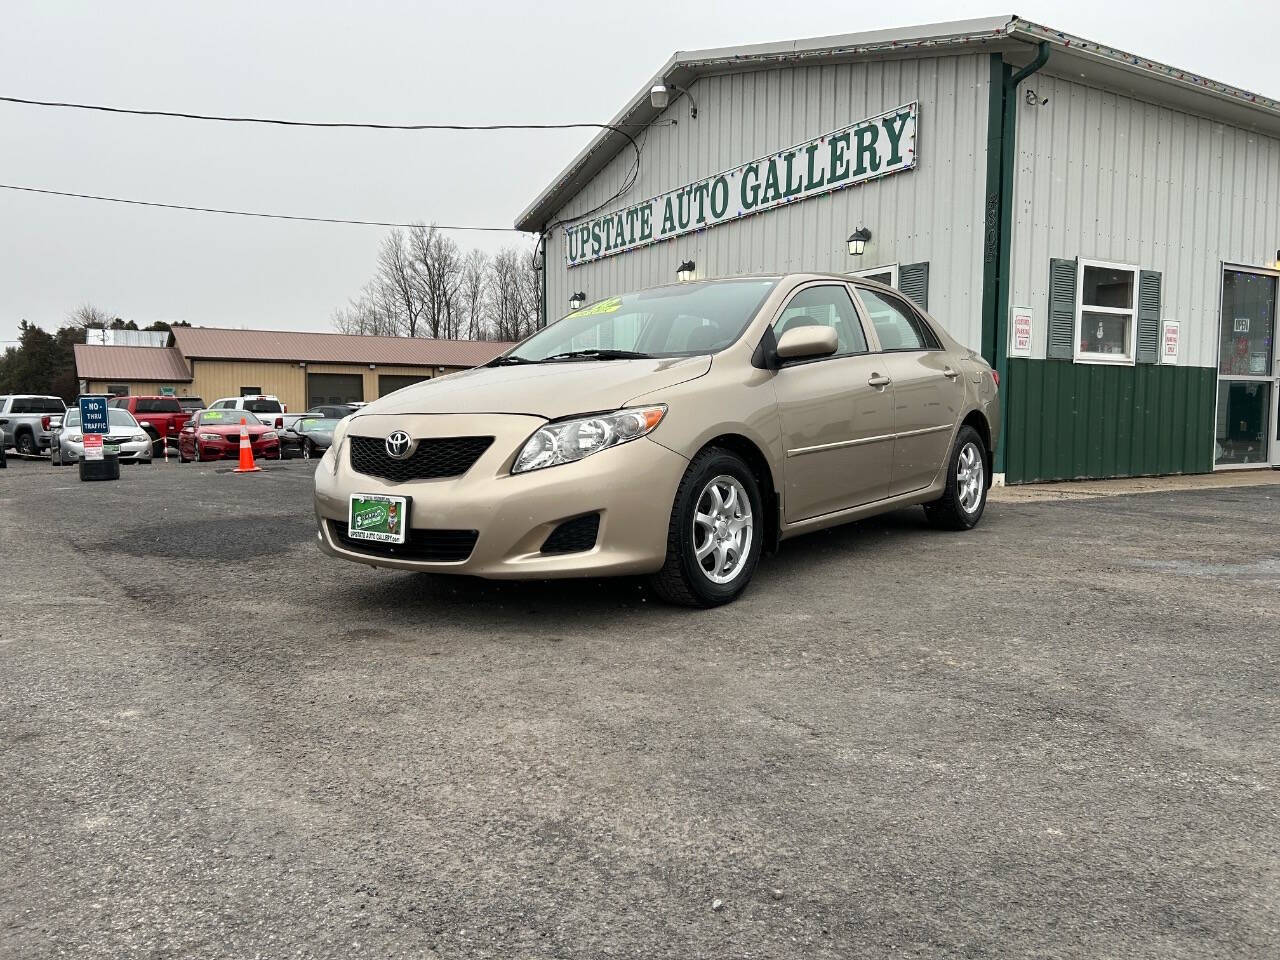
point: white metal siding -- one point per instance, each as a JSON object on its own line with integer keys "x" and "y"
{"x": 1103, "y": 176}
{"x": 932, "y": 213}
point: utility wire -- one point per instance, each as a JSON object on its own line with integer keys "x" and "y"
{"x": 249, "y": 213}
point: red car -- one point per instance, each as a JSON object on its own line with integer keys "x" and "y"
{"x": 215, "y": 435}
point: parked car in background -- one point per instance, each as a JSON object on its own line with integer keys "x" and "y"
{"x": 161, "y": 417}
{"x": 124, "y": 438}
{"x": 326, "y": 411}
{"x": 191, "y": 404}
{"x": 215, "y": 435}
{"x": 25, "y": 421}
{"x": 309, "y": 436}
{"x": 268, "y": 409}
{"x": 727, "y": 416}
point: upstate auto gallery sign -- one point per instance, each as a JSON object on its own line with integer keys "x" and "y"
{"x": 862, "y": 151}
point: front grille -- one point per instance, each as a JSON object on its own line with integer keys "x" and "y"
{"x": 434, "y": 459}
{"x": 437, "y": 546}
{"x": 574, "y": 536}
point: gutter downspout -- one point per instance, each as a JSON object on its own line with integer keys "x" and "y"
{"x": 996, "y": 282}
{"x": 542, "y": 310}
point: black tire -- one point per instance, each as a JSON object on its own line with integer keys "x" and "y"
{"x": 948, "y": 512}
{"x": 26, "y": 444}
{"x": 308, "y": 450}
{"x": 682, "y": 579}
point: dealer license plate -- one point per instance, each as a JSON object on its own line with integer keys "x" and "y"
{"x": 111, "y": 449}
{"x": 374, "y": 516}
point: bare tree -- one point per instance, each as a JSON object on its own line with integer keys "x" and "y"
{"x": 512, "y": 303}
{"x": 438, "y": 267}
{"x": 87, "y": 315}
{"x": 375, "y": 313}
{"x": 473, "y": 287}
{"x": 398, "y": 287}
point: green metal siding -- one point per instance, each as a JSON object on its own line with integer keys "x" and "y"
{"x": 1068, "y": 421}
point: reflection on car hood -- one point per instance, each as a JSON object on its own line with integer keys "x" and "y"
{"x": 548, "y": 390}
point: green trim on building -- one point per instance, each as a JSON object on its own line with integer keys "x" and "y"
{"x": 1073, "y": 420}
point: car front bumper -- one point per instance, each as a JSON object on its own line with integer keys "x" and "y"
{"x": 632, "y": 487}
{"x": 267, "y": 450}
{"x": 132, "y": 450}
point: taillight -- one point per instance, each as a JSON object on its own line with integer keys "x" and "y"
{"x": 995, "y": 375}
{"x": 279, "y": 423}
{"x": 44, "y": 423}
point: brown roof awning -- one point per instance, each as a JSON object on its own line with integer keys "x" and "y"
{"x": 217, "y": 343}
{"x": 97, "y": 362}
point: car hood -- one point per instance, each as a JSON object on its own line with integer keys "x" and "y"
{"x": 550, "y": 390}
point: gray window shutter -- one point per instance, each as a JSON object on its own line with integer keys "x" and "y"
{"x": 1148, "y": 316}
{"x": 1062, "y": 310}
{"x": 913, "y": 280}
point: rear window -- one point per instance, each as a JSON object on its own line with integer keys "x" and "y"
{"x": 159, "y": 405}
{"x": 262, "y": 406}
{"x": 38, "y": 405}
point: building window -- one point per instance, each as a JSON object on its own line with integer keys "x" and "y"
{"x": 250, "y": 391}
{"x": 1105, "y": 312}
{"x": 118, "y": 389}
{"x": 886, "y": 275}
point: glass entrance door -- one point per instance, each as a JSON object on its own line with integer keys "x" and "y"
{"x": 1247, "y": 433}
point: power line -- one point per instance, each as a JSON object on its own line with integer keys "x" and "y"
{"x": 329, "y": 124}
{"x": 248, "y": 213}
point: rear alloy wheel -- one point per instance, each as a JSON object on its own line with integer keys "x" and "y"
{"x": 715, "y": 534}
{"x": 965, "y": 497}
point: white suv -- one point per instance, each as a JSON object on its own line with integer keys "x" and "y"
{"x": 265, "y": 407}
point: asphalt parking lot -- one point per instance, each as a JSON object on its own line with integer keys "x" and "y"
{"x": 1054, "y": 736}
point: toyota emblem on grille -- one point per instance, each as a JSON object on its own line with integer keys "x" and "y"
{"x": 398, "y": 445}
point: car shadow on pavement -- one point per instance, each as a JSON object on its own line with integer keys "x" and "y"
{"x": 811, "y": 555}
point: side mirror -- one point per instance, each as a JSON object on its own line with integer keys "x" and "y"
{"x": 803, "y": 343}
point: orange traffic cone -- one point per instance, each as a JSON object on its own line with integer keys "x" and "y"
{"x": 246, "y": 451}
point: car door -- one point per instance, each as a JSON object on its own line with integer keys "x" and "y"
{"x": 928, "y": 389}
{"x": 836, "y": 412}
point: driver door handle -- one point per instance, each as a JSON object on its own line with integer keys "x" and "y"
{"x": 878, "y": 381}
{"x": 949, "y": 373}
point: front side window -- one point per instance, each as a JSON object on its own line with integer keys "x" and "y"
{"x": 1105, "y": 314}
{"x": 682, "y": 320}
{"x": 825, "y": 306}
{"x": 896, "y": 324}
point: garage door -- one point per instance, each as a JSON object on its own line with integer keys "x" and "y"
{"x": 391, "y": 382}
{"x": 334, "y": 388}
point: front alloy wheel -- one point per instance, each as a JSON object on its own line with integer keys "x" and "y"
{"x": 715, "y": 533}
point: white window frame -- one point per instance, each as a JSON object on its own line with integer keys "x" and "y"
{"x": 1083, "y": 356}
{"x": 892, "y": 268}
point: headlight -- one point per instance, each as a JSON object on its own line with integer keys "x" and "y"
{"x": 140, "y": 436}
{"x": 271, "y": 435}
{"x": 566, "y": 441}
{"x": 75, "y": 438}
{"x": 212, "y": 437}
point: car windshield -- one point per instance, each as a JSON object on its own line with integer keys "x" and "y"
{"x": 677, "y": 321}
{"x": 316, "y": 424}
{"x": 115, "y": 418}
{"x": 228, "y": 418}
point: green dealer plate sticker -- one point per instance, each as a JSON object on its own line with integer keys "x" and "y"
{"x": 377, "y": 517}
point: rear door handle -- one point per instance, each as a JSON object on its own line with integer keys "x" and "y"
{"x": 949, "y": 373}
{"x": 878, "y": 381}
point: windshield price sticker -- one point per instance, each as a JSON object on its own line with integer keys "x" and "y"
{"x": 376, "y": 517}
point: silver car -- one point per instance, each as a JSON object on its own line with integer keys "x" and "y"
{"x": 125, "y": 438}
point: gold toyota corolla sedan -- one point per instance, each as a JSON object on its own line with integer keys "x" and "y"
{"x": 677, "y": 432}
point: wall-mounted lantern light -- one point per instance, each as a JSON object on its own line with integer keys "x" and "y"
{"x": 684, "y": 272}
{"x": 858, "y": 241}
{"x": 576, "y": 300}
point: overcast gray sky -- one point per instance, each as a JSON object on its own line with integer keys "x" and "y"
{"x": 387, "y": 61}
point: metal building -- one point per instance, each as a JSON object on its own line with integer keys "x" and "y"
{"x": 1104, "y": 228}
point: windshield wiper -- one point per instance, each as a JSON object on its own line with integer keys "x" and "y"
{"x": 506, "y": 361}
{"x": 597, "y": 355}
